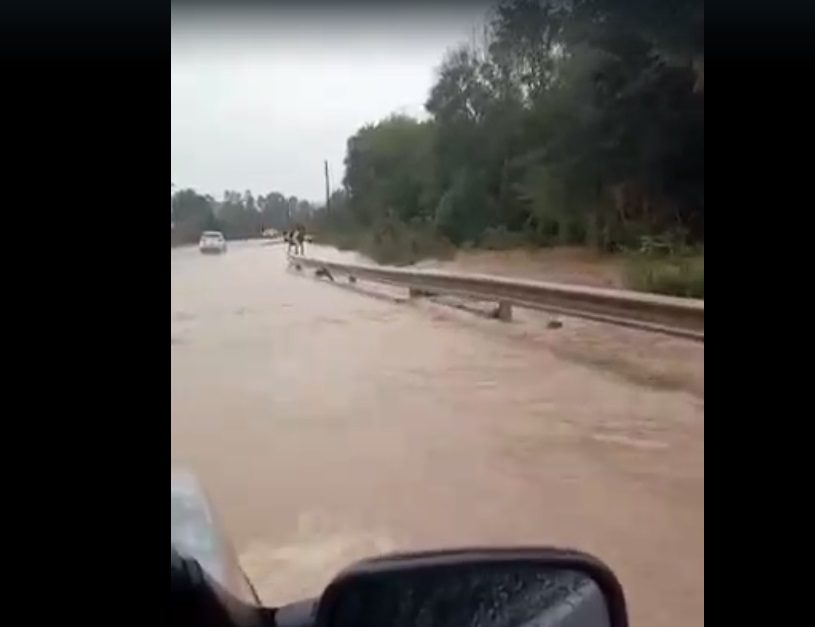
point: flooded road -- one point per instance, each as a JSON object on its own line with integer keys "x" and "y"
{"x": 328, "y": 425}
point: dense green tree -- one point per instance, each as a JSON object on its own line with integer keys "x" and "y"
{"x": 572, "y": 121}
{"x": 192, "y": 214}
{"x": 388, "y": 171}
{"x": 274, "y": 209}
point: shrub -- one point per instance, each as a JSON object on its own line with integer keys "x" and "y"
{"x": 499, "y": 238}
{"x": 392, "y": 242}
{"x": 395, "y": 243}
{"x": 674, "y": 275}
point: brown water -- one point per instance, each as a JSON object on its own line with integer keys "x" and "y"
{"x": 329, "y": 425}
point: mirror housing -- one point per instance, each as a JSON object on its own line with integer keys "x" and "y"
{"x": 541, "y": 587}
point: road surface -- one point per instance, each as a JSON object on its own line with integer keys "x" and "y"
{"x": 329, "y": 425}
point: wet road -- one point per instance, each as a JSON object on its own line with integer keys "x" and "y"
{"x": 328, "y": 425}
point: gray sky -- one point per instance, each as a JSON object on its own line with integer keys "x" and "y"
{"x": 259, "y": 100}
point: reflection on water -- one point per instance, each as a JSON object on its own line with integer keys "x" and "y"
{"x": 328, "y": 425}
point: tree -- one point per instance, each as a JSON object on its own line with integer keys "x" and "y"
{"x": 192, "y": 214}
{"x": 238, "y": 216}
{"x": 576, "y": 121}
{"x": 274, "y": 210}
{"x": 388, "y": 170}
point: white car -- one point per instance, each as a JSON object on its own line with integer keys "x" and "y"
{"x": 212, "y": 242}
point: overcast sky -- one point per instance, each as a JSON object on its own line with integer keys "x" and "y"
{"x": 259, "y": 100}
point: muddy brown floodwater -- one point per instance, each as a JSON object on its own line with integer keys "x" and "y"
{"x": 329, "y": 425}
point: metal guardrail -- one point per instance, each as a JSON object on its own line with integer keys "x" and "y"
{"x": 680, "y": 317}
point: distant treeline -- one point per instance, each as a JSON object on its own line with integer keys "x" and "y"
{"x": 237, "y": 215}
{"x": 578, "y": 122}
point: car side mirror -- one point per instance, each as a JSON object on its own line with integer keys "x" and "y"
{"x": 479, "y": 587}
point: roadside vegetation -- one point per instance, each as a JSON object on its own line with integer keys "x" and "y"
{"x": 576, "y": 123}
{"x": 675, "y": 275}
{"x": 666, "y": 265}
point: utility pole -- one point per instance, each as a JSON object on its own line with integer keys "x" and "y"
{"x": 327, "y": 194}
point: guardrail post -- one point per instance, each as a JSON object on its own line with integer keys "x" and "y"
{"x": 504, "y": 311}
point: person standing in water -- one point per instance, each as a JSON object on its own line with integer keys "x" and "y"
{"x": 300, "y": 235}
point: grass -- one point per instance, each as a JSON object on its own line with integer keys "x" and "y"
{"x": 674, "y": 274}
